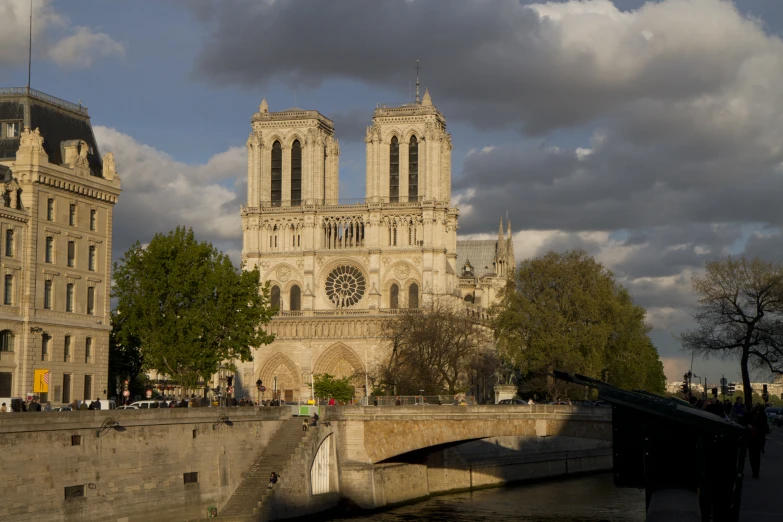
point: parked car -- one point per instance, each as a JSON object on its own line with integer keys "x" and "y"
{"x": 128, "y": 407}
{"x": 561, "y": 403}
{"x": 773, "y": 411}
{"x": 146, "y": 405}
{"x": 66, "y": 407}
{"x": 512, "y": 401}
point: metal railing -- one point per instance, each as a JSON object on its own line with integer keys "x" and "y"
{"x": 332, "y": 202}
{"x": 347, "y": 311}
{"x": 48, "y": 98}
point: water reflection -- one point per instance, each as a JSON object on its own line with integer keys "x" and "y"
{"x": 584, "y": 499}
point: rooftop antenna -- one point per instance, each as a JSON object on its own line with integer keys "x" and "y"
{"x": 30, "y": 48}
{"x": 417, "y": 81}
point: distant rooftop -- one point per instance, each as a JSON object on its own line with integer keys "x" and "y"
{"x": 6, "y": 92}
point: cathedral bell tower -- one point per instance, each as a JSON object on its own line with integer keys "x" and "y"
{"x": 292, "y": 159}
{"x": 408, "y": 154}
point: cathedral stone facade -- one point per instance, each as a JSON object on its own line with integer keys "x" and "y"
{"x": 337, "y": 270}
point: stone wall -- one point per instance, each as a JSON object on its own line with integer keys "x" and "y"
{"x": 132, "y": 472}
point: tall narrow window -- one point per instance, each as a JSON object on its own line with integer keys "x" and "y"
{"x": 49, "y": 253}
{"x": 295, "y": 299}
{"x": 45, "y": 340}
{"x": 47, "y": 295}
{"x": 67, "y": 349}
{"x": 93, "y": 219}
{"x": 276, "y": 297}
{"x": 6, "y": 342}
{"x": 87, "y": 387}
{"x": 72, "y": 215}
{"x": 91, "y": 300}
{"x": 296, "y": 174}
{"x": 394, "y": 296}
{"x": 91, "y": 259}
{"x": 9, "y": 243}
{"x": 71, "y": 253}
{"x": 394, "y": 170}
{"x": 277, "y": 174}
{"x": 66, "y": 388}
{"x": 88, "y": 350}
{"x": 8, "y": 295}
{"x": 69, "y": 297}
{"x": 50, "y": 209}
{"x": 413, "y": 169}
{"x": 413, "y": 296}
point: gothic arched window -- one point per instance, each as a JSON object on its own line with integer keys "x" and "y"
{"x": 413, "y": 296}
{"x": 295, "y": 298}
{"x": 394, "y": 296}
{"x": 276, "y": 297}
{"x": 413, "y": 169}
{"x": 296, "y": 174}
{"x": 277, "y": 174}
{"x": 394, "y": 170}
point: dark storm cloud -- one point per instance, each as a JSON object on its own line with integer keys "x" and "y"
{"x": 494, "y": 63}
{"x": 351, "y": 124}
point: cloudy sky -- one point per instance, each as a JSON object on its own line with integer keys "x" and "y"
{"x": 648, "y": 133}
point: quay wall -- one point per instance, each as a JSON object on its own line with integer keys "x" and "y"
{"x": 133, "y": 472}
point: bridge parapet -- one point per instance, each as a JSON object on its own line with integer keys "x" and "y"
{"x": 374, "y": 435}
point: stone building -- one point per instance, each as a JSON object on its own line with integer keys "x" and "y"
{"x": 336, "y": 270}
{"x": 56, "y": 230}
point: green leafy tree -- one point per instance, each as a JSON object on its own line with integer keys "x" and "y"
{"x": 565, "y": 311}
{"x": 187, "y": 308}
{"x": 328, "y": 386}
{"x": 125, "y": 358}
{"x": 740, "y": 315}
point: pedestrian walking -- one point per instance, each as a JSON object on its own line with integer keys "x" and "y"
{"x": 756, "y": 420}
{"x": 739, "y": 409}
{"x": 3, "y": 409}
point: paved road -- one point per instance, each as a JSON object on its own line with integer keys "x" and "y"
{"x": 762, "y": 498}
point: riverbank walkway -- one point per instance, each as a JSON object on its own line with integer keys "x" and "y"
{"x": 761, "y": 497}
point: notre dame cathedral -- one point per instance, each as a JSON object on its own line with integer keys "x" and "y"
{"x": 337, "y": 270}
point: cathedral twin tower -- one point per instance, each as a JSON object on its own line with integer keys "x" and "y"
{"x": 336, "y": 270}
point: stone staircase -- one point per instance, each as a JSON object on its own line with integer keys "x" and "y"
{"x": 246, "y": 502}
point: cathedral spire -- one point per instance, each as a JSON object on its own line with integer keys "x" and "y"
{"x": 500, "y": 231}
{"x": 508, "y": 221}
{"x": 417, "y": 81}
{"x": 264, "y": 107}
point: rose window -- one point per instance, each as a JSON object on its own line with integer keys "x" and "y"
{"x": 345, "y": 286}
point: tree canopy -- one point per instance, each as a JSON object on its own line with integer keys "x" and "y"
{"x": 327, "y": 386}
{"x": 187, "y": 307}
{"x": 740, "y": 315}
{"x": 430, "y": 349}
{"x": 565, "y": 311}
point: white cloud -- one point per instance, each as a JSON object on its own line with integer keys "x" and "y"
{"x": 54, "y": 37}
{"x": 83, "y": 47}
{"x": 159, "y": 193}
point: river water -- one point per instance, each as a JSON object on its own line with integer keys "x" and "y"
{"x": 590, "y": 498}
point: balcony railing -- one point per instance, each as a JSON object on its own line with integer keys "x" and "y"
{"x": 48, "y": 98}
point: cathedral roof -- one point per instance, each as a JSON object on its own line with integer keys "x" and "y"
{"x": 480, "y": 252}
{"x": 58, "y": 121}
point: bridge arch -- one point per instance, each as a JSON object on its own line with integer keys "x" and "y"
{"x": 320, "y": 468}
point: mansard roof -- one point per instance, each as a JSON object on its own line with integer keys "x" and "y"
{"x": 59, "y": 121}
{"x": 482, "y": 254}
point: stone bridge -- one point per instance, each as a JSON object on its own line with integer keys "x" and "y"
{"x": 373, "y": 435}
{"x": 387, "y": 455}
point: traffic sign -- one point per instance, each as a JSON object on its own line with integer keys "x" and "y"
{"x": 126, "y": 393}
{"x": 149, "y": 394}
{"x": 262, "y": 388}
{"x": 723, "y": 381}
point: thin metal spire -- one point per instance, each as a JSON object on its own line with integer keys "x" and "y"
{"x": 30, "y": 48}
{"x": 417, "y": 81}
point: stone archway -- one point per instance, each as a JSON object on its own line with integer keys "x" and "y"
{"x": 288, "y": 376}
{"x": 339, "y": 361}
